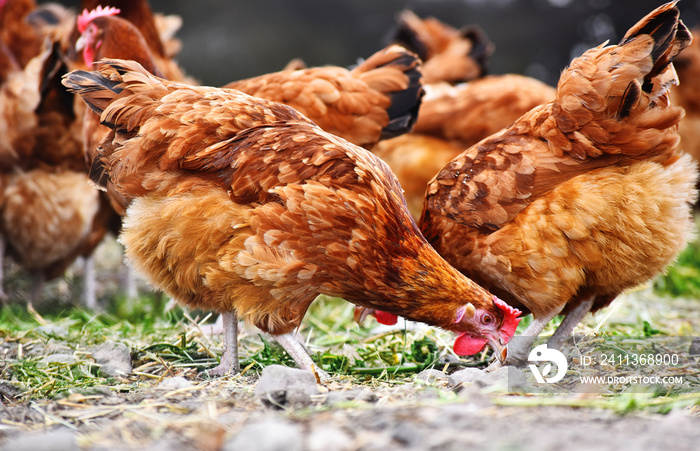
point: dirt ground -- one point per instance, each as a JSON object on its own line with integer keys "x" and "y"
{"x": 226, "y": 414}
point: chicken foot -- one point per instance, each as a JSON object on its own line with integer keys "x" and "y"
{"x": 296, "y": 350}
{"x": 519, "y": 348}
{"x": 570, "y": 321}
{"x": 229, "y": 359}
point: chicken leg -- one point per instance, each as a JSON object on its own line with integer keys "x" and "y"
{"x": 570, "y": 321}
{"x": 229, "y": 359}
{"x": 296, "y": 350}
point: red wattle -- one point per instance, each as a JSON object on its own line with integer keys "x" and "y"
{"x": 469, "y": 345}
{"x": 386, "y": 318}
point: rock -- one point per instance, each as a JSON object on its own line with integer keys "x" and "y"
{"x": 493, "y": 381}
{"x": 63, "y": 359}
{"x": 328, "y": 437}
{"x": 114, "y": 358}
{"x": 9, "y": 391}
{"x": 267, "y": 435}
{"x": 357, "y": 394}
{"x": 174, "y": 383}
{"x": 431, "y": 376}
{"x": 53, "y": 330}
{"x": 58, "y": 440}
{"x": 283, "y": 386}
{"x": 694, "y": 347}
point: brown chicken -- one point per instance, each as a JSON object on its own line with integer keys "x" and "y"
{"x": 48, "y": 206}
{"x": 581, "y": 198}
{"x": 378, "y": 99}
{"x": 687, "y": 95}
{"x": 138, "y": 13}
{"x": 469, "y": 112}
{"x": 449, "y": 55}
{"x": 246, "y": 207}
{"x": 452, "y": 118}
{"x": 23, "y": 41}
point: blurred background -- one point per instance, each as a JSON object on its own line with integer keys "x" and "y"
{"x": 225, "y": 40}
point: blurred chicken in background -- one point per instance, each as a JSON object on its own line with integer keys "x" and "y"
{"x": 453, "y": 116}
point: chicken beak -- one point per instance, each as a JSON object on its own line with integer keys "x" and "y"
{"x": 361, "y": 313}
{"x": 500, "y": 349}
{"x": 80, "y": 43}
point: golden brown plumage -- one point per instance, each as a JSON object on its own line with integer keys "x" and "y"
{"x": 415, "y": 159}
{"x": 687, "y": 95}
{"x": 246, "y": 207}
{"x": 377, "y": 99}
{"x": 469, "y": 112}
{"x": 449, "y": 55}
{"x": 452, "y": 118}
{"x": 581, "y": 198}
{"x": 23, "y": 40}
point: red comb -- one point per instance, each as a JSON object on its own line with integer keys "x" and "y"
{"x": 510, "y": 318}
{"x": 86, "y": 17}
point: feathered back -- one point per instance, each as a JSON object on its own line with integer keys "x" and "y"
{"x": 620, "y": 84}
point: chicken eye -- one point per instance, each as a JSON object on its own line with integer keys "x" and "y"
{"x": 487, "y": 319}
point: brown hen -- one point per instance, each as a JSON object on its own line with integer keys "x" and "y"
{"x": 452, "y": 118}
{"x": 449, "y": 55}
{"x": 377, "y": 99}
{"x": 581, "y": 198}
{"x": 687, "y": 95}
{"x": 246, "y": 207}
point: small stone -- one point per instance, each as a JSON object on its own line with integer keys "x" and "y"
{"x": 694, "y": 347}
{"x": 283, "y": 386}
{"x": 431, "y": 376}
{"x": 356, "y": 395}
{"x": 9, "y": 391}
{"x": 53, "y": 330}
{"x": 62, "y": 359}
{"x": 267, "y": 435}
{"x": 492, "y": 381}
{"x": 58, "y": 440}
{"x": 114, "y": 358}
{"x": 174, "y": 383}
{"x": 328, "y": 437}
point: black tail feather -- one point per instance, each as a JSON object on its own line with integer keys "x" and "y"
{"x": 86, "y": 83}
{"x": 403, "y": 111}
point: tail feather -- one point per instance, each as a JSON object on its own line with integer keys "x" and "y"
{"x": 404, "y": 89}
{"x": 481, "y": 48}
{"x": 670, "y": 36}
{"x": 95, "y": 88}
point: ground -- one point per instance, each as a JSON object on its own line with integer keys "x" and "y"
{"x": 121, "y": 379}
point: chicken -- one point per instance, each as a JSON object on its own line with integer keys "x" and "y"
{"x": 47, "y": 220}
{"x": 378, "y": 99}
{"x": 449, "y": 55}
{"x": 687, "y": 95}
{"x": 49, "y": 212}
{"x": 246, "y": 207}
{"x": 452, "y": 118}
{"x": 23, "y": 41}
{"x": 469, "y": 112}
{"x": 138, "y": 13}
{"x": 581, "y": 198}
{"x": 415, "y": 159}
